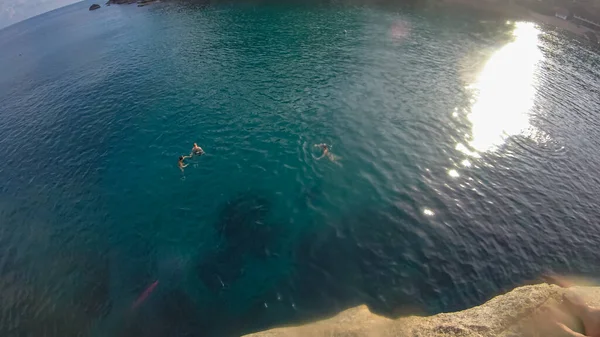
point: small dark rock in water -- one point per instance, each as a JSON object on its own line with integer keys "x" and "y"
{"x": 94, "y": 6}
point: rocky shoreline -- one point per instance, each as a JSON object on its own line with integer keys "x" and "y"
{"x": 513, "y": 11}
{"x": 507, "y": 9}
{"x": 515, "y": 313}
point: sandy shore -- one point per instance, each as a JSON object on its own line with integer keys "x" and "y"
{"x": 517, "y": 12}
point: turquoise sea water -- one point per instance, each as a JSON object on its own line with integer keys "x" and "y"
{"x": 467, "y": 163}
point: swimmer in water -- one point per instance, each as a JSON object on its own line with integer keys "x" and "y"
{"x": 181, "y": 164}
{"x": 326, "y": 152}
{"x": 196, "y": 150}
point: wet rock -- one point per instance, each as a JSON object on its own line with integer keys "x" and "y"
{"x": 94, "y": 7}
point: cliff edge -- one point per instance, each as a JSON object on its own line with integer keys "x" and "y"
{"x": 511, "y": 314}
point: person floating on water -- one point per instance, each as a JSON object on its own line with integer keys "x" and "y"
{"x": 196, "y": 150}
{"x": 326, "y": 152}
{"x": 181, "y": 162}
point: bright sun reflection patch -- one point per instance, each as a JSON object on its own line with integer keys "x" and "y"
{"x": 505, "y": 92}
{"x": 428, "y": 212}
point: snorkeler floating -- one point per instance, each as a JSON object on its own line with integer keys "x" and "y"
{"x": 181, "y": 162}
{"x": 196, "y": 151}
{"x": 326, "y": 152}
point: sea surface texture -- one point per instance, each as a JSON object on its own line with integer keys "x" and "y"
{"x": 464, "y": 160}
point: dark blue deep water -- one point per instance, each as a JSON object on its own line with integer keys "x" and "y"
{"x": 467, "y": 161}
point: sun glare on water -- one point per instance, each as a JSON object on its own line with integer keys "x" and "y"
{"x": 504, "y": 92}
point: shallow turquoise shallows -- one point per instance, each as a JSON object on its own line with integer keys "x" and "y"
{"x": 465, "y": 160}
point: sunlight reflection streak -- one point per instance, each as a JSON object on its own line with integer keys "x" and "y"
{"x": 504, "y": 92}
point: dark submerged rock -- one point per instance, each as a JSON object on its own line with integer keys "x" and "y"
{"x": 94, "y": 7}
{"x": 243, "y": 224}
{"x": 246, "y": 232}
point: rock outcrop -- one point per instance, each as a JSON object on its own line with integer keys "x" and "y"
{"x": 94, "y": 7}
{"x": 142, "y": 3}
{"x": 511, "y": 314}
{"x": 120, "y": 2}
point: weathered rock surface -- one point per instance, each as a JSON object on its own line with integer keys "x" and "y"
{"x": 142, "y": 3}
{"x": 120, "y": 2}
{"x": 506, "y": 315}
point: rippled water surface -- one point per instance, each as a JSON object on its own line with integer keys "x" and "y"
{"x": 466, "y": 162}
